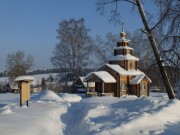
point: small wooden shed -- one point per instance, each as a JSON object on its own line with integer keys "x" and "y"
{"x": 24, "y": 86}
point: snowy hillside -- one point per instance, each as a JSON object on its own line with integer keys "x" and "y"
{"x": 37, "y": 77}
{"x": 67, "y": 114}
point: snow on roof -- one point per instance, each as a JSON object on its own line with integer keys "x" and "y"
{"x": 103, "y": 75}
{"x": 121, "y": 70}
{"x": 138, "y": 78}
{"x": 123, "y": 47}
{"x": 117, "y": 69}
{"x": 122, "y": 57}
{"x": 24, "y": 78}
{"x": 90, "y": 84}
{"x": 135, "y": 72}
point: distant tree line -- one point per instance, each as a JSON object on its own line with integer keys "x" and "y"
{"x": 43, "y": 71}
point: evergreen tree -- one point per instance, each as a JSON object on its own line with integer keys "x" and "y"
{"x": 43, "y": 84}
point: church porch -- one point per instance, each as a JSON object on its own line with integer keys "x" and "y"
{"x": 105, "y": 84}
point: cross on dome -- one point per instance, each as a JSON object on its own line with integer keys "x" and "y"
{"x": 123, "y": 34}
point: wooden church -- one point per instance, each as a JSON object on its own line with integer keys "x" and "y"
{"x": 120, "y": 76}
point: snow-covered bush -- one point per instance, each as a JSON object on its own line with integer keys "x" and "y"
{"x": 47, "y": 95}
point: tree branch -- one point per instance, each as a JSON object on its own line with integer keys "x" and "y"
{"x": 132, "y": 2}
{"x": 162, "y": 18}
{"x": 153, "y": 64}
{"x": 144, "y": 31}
{"x": 178, "y": 37}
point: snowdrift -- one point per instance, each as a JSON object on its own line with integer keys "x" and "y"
{"x": 40, "y": 118}
{"x": 6, "y": 110}
{"x": 47, "y": 95}
{"x": 137, "y": 116}
{"x": 71, "y": 97}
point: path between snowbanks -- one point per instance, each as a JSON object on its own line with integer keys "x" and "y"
{"x": 75, "y": 118}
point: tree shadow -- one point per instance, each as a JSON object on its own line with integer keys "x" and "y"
{"x": 172, "y": 129}
{"x": 126, "y": 111}
{"x": 2, "y": 105}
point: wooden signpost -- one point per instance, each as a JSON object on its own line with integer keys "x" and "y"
{"x": 24, "y": 86}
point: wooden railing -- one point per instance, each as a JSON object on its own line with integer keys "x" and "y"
{"x": 93, "y": 94}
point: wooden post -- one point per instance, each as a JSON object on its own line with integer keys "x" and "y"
{"x": 27, "y": 103}
{"x": 20, "y": 99}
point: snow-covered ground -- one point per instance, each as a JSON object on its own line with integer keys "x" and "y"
{"x": 67, "y": 114}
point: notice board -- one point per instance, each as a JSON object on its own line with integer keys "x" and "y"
{"x": 25, "y": 91}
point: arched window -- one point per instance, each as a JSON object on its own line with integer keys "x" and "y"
{"x": 143, "y": 86}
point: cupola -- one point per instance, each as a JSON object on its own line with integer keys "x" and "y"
{"x": 123, "y": 54}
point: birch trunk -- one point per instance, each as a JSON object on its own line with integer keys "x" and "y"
{"x": 164, "y": 75}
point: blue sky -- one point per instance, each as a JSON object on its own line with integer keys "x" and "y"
{"x": 30, "y": 25}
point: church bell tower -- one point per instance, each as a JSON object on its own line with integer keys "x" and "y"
{"x": 123, "y": 54}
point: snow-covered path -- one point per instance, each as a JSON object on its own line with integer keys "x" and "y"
{"x": 74, "y": 119}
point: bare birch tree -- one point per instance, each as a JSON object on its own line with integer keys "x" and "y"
{"x": 103, "y": 47}
{"x": 168, "y": 18}
{"x": 72, "y": 51}
{"x": 18, "y": 64}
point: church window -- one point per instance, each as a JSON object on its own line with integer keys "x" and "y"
{"x": 123, "y": 86}
{"x": 131, "y": 65}
{"x": 143, "y": 86}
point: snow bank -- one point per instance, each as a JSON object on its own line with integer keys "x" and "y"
{"x": 97, "y": 113}
{"x": 40, "y": 118}
{"x": 101, "y": 100}
{"x": 132, "y": 115}
{"x": 6, "y": 110}
{"x": 71, "y": 97}
{"x": 47, "y": 95}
